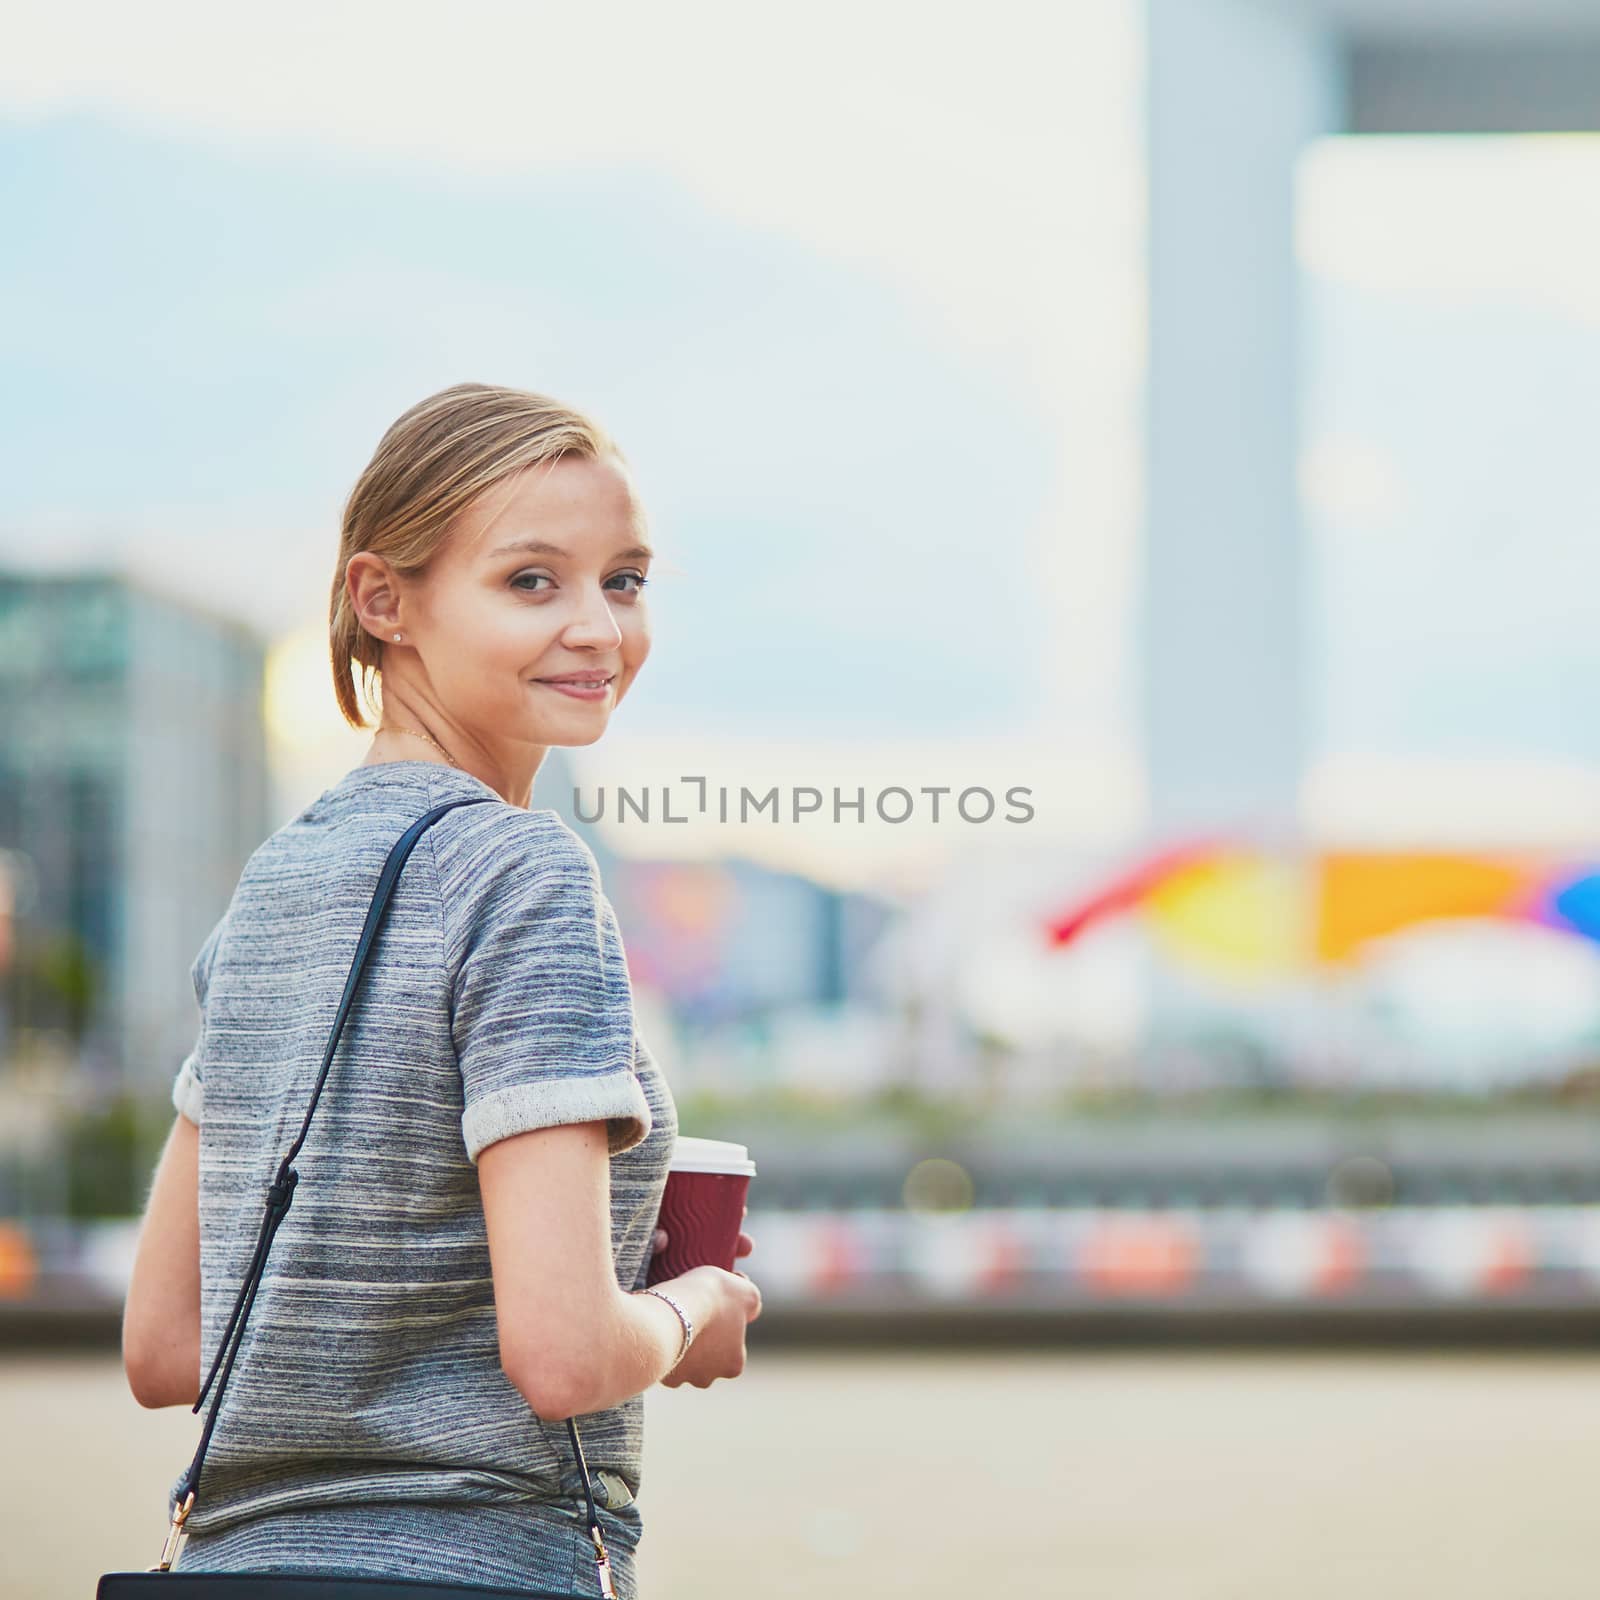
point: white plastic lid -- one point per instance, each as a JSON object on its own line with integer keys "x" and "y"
{"x": 711, "y": 1155}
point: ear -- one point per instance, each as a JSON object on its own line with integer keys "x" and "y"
{"x": 374, "y": 592}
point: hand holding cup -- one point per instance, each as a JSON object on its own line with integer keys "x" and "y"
{"x": 658, "y": 1240}
{"x": 697, "y": 1241}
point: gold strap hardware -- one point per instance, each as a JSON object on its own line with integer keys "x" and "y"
{"x": 180, "y": 1515}
{"x": 602, "y": 1564}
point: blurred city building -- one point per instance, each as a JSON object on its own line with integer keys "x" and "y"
{"x": 764, "y": 979}
{"x": 133, "y": 786}
{"x": 1236, "y": 92}
{"x": 745, "y": 977}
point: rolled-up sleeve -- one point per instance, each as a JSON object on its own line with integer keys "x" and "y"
{"x": 542, "y": 1014}
{"x": 188, "y": 1088}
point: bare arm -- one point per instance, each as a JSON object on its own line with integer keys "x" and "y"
{"x": 161, "y": 1318}
{"x": 571, "y": 1339}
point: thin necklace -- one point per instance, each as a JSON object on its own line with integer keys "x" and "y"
{"x": 397, "y": 728}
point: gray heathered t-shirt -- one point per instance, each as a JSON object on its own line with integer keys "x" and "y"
{"x": 496, "y": 999}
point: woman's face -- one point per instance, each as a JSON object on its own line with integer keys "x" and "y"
{"x": 540, "y": 580}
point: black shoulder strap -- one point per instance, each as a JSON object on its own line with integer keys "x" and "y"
{"x": 281, "y": 1192}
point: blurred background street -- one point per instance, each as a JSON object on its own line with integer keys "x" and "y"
{"x": 1111, "y": 818}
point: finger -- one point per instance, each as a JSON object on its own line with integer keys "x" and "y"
{"x": 745, "y": 1245}
{"x": 658, "y": 1239}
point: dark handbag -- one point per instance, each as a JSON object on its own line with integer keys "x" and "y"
{"x": 159, "y": 1582}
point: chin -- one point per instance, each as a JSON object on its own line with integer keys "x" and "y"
{"x": 572, "y": 738}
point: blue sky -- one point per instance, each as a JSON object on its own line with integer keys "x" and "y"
{"x": 878, "y": 369}
{"x": 873, "y": 352}
{"x": 211, "y": 338}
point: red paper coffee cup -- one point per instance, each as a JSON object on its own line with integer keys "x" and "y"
{"x": 702, "y": 1207}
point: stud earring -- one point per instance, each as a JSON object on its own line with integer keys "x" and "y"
{"x": 397, "y": 638}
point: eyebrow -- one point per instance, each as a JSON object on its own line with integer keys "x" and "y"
{"x": 541, "y": 547}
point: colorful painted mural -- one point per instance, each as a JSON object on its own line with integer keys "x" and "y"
{"x": 1253, "y": 914}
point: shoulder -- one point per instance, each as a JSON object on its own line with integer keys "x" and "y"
{"x": 499, "y": 845}
{"x": 499, "y": 863}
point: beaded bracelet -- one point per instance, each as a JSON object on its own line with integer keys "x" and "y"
{"x": 683, "y": 1317}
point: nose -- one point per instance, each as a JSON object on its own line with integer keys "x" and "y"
{"x": 592, "y": 624}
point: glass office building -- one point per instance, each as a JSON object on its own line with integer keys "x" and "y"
{"x": 133, "y": 786}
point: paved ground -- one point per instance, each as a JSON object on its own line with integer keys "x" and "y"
{"x": 1144, "y": 1477}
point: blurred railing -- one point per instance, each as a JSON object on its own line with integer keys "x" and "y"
{"x": 1039, "y": 1262}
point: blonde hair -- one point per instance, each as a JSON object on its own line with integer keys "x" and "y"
{"x": 432, "y": 463}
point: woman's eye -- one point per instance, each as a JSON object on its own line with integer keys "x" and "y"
{"x": 525, "y": 581}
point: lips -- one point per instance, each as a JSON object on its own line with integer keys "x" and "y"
{"x": 591, "y": 678}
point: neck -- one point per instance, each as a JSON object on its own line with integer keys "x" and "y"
{"x": 393, "y": 743}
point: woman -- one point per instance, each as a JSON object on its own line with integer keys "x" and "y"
{"x": 464, "y": 1264}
